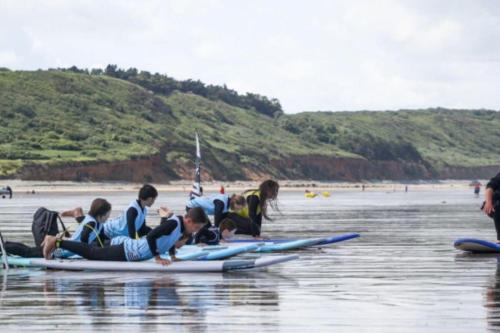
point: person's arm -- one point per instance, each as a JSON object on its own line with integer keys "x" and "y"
{"x": 131, "y": 216}
{"x": 144, "y": 229}
{"x": 164, "y": 229}
{"x": 488, "y": 201}
{"x": 88, "y": 229}
{"x": 218, "y": 211}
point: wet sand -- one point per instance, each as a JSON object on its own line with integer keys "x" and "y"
{"x": 402, "y": 275}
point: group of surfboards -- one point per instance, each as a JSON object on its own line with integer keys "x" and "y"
{"x": 129, "y": 238}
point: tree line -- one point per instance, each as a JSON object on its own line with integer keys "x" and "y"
{"x": 165, "y": 85}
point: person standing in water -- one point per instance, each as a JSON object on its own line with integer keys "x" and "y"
{"x": 477, "y": 189}
{"x": 492, "y": 201}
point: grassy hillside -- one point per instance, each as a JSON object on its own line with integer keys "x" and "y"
{"x": 439, "y": 137}
{"x": 53, "y": 117}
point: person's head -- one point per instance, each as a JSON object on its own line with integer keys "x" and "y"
{"x": 148, "y": 195}
{"x": 100, "y": 209}
{"x": 237, "y": 203}
{"x": 227, "y": 228}
{"x": 195, "y": 219}
{"x": 268, "y": 194}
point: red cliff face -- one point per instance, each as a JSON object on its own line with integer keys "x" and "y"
{"x": 140, "y": 170}
{"x": 315, "y": 167}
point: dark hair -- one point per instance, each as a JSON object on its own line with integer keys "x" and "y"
{"x": 147, "y": 191}
{"x": 237, "y": 199}
{"x": 198, "y": 215}
{"x": 99, "y": 207}
{"x": 227, "y": 224}
{"x": 268, "y": 194}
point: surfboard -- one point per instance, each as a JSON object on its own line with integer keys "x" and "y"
{"x": 213, "y": 252}
{"x": 325, "y": 240}
{"x": 150, "y": 266}
{"x": 476, "y": 245}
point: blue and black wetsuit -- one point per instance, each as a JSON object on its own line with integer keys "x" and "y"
{"x": 131, "y": 223}
{"x": 216, "y": 205}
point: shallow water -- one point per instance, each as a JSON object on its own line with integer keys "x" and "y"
{"x": 402, "y": 275}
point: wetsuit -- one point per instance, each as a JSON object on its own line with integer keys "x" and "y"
{"x": 209, "y": 235}
{"x": 249, "y": 219}
{"x": 216, "y": 205}
{"x": 83, "y": 234}
{"x": 158, "y": 241}
{"x": 494, "y": 184}
{"x": 132, "y": 222}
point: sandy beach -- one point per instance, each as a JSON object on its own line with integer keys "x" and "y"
{"x": 21, "y": 186}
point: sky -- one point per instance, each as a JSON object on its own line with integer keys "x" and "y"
{"x": 312, "y": 55}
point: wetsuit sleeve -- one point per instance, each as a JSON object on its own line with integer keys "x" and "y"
{"x": 494, "y": 183}
{"x": 253, "y": 203}
{"x": 131, "y": 216}
{"x": 164, "y": 229}
{"x": 218, "y": 212}
{"x": 87, "y": 230}
{"x": 80, "y": 219}
{"x": 144, "y": 229}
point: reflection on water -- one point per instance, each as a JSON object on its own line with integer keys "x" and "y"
{"x": 402, "y": 275}
{"x": 492, "y": 303}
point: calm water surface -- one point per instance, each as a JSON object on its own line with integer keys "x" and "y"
{"x": 402, "y": 275}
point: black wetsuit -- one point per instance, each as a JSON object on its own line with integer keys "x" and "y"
{"x": 117, "y": 252}
{"x": 209, "y": 235}
{"x": 494, "y": 184}
{"x": 252, "y": 225}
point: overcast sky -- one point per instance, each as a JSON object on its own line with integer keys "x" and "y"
{"x": 311, "y": 55}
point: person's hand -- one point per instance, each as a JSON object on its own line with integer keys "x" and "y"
{"x": 488, "y": 208}
{"x": 161, "y": 261}
{"x": 165, "y": 212}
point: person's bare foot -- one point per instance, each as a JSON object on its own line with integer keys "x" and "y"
{"x": 75, "y": 212}
{"x": 49, "y": 245}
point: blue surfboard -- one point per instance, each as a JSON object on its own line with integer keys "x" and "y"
{"x": 325, "y": 240}
{"x": 476, "y": 245}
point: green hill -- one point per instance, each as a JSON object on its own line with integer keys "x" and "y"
{"x": 78, "y": 126}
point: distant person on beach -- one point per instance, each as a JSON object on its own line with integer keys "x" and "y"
{"x": 492, "y": 201}
{"x": 477, "y": 189}
{"x": 249, "y": 220}
{"x": 132, "y": 222}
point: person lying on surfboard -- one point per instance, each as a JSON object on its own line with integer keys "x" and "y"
{"x": 158, "y": 241}
{"x": 212, "y": 235}
{"x": 90, "y": 230}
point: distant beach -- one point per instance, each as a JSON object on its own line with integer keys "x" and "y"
{"x": 22, "y": 186}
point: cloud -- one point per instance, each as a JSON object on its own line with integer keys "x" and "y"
{"x": 319, "y": 55}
